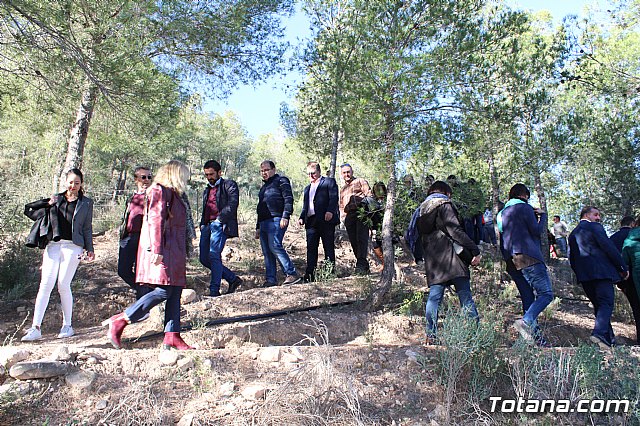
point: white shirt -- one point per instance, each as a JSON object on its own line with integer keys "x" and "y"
{"x": 313, "y": 186}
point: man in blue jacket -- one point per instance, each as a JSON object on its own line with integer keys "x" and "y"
{"x": 520, "y": 227}
{"x": 319, "y": 215}
{"x": 219, "y": 221}
{"x": 275, "y": 207}
{"x": 598, "y": 266}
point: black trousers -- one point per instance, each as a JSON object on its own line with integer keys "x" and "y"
{"x": 319, "y": 231}
{"x": 127, "y": 255}
{"x": 358, "y": 233}
{"x": 629, "y": 290}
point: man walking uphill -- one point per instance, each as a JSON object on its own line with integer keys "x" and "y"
{"x": 352, "y": 194}
{"x": 319, "y": 217}
{"x": 219, "y": 221}
{"x": 598, "y": 266}
{"x": 275, "y": 206}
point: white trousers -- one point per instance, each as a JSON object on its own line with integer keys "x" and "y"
{"x": 59, "y": 263}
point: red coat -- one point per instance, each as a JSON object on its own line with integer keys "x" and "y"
{"x": 163, "y": 234}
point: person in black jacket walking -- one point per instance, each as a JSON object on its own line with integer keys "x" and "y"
{"x": 275, "y": 207}
{"x": 319, "y": 216}
{"x": 441, "y": 232}
{"x": 219, "y": 221}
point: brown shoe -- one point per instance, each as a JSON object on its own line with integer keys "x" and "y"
{"x": 292, "y": 279}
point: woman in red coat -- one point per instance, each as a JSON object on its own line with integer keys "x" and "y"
{"x": 162, "y": 256}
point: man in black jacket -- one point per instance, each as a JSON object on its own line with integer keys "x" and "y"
{"x": 275, "y": 206}
{"x": 130, "y": 231}
{"x": 219, "y": 221}
{"x": 319, "y": 215}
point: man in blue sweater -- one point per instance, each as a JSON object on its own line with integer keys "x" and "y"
{"x": 275, "y": 207}
{"x": 520, "y": 227}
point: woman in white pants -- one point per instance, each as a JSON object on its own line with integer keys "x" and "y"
{"x": 70, "y": 215}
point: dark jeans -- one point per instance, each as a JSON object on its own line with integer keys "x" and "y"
{"x": 358, "y": 233}
{"x": 601, "y": 295}
{"x": 212, "y": 241}
{"x": 628, "y": 288}
{"x": 316, "y": 232}
{"x": 155, "y": 296}
{"x": 489, "y": 233}
{"x": 127, "y": 255}
{"x": 418, "y": 251}
{"x": 436, "y": 293}
{"x": 527, "y": 295}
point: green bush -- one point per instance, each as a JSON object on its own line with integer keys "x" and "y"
{"x": 18, "y": 268}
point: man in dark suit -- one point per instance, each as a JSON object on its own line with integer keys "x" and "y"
{"x": 319, "y": 216}
{"x": 219, "y": 221}
{"x": 598, "y": 266}
{"x": 625, "y": 227}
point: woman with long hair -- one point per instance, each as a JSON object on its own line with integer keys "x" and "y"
{"x": 70, "y": 216}
{"x": 162, "y": 256}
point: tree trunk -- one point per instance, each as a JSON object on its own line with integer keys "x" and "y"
{"x": 337, "y": 137}
{"x": 544, "y": 238}
{"x": 80, "y": 129}
{"x": 377, "y": 296}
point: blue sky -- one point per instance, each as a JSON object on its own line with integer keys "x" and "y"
{"x": 258, "y": 108}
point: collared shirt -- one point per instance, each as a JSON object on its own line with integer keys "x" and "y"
{"x": 352, "y": 194}
{"x": 211, "y": 211}
{"x": 136, "y": 213}
{"x": 313, "y": 187}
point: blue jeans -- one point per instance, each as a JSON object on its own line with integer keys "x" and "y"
{"x": 436, "y": 293}
{"x": 142, "y": 306}
{"x": 271, "y": 236}
{"x": 601, "y": 294}
{"x": 561, "y": 242}
{"x": 539, "y": 286}
{"x": 212, "y": 241}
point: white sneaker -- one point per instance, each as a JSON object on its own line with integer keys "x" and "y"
{"x": 66, "y": 331}
{"x": 32, "y": 334}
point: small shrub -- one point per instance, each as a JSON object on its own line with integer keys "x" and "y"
{"x": 18, "y": 276}
{"x": 412, "y": 305}
{"x": 551, "y": 309}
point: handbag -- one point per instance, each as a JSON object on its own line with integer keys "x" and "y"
{"x": 463, "y": 253}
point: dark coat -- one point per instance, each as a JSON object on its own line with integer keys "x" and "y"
{"x": 81, "y": 225}
{"x": 41, "y": 231}
{"x": 439, "y": 224}
{"x": 325, "y": 200}
{"x": 227, "y": 199}
{"x": 592, "y": 254}
{"x": 275, "y": 198}
{"x": 163, "y": 232}
{"x": 521, "y": 232}
{"x": 618, "y": 238}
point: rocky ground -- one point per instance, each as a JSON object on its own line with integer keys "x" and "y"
{"x": 314, "y": 357}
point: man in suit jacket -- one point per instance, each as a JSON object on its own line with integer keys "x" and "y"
{"x": 598, "y": 266}
{"x": 618, "y": 238}
{"x": 319, "y": 216}
{"x": 219, "y": 221}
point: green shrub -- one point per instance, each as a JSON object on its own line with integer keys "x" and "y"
{"x": 18, "y": 268}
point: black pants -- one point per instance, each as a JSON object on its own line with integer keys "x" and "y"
{"x": 629, "y": 289}
{"x": 358, "y": 233}
{"x": 317, "y": 231}
{"x": 127, "y": 255}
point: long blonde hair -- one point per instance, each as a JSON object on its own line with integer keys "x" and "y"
{"x": 174, "y": 174}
